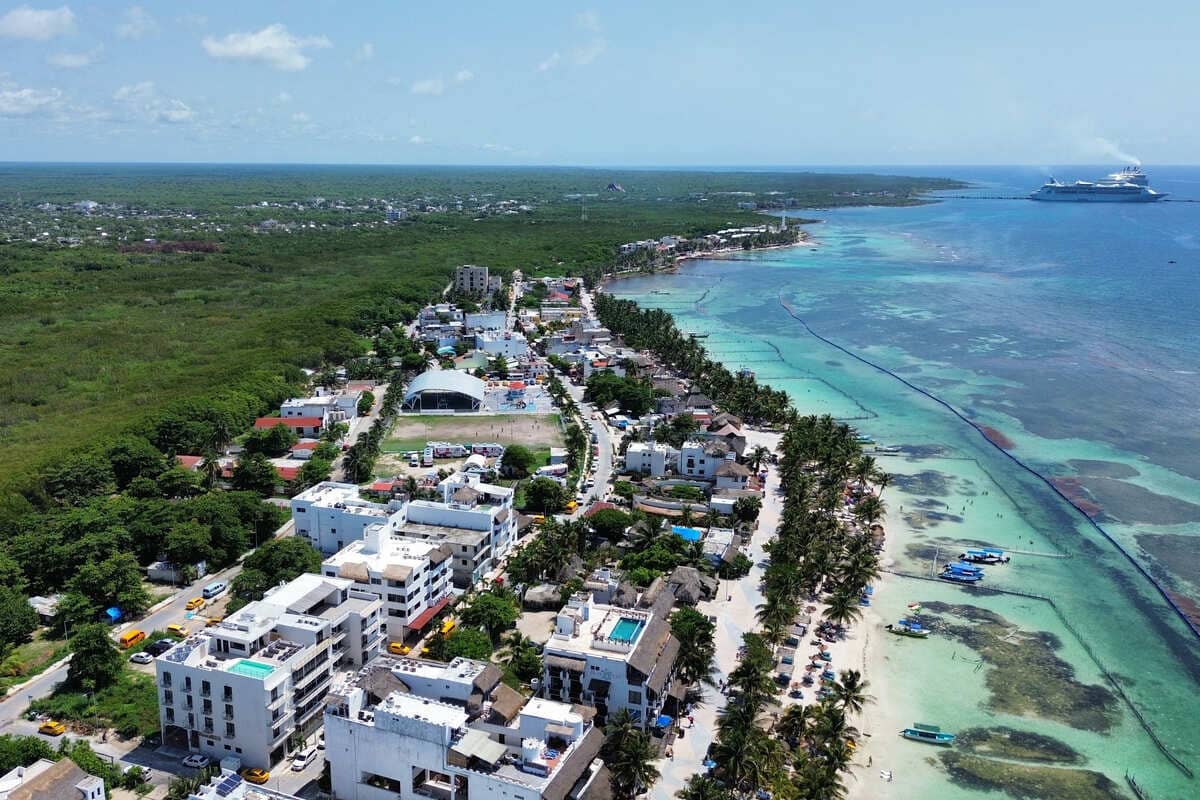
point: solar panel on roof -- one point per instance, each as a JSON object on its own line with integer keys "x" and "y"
{"x": 225, "y": 787}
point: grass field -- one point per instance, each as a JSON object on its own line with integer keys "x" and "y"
{"x": 536, "y": 431}
{"x": 30, "y": 659}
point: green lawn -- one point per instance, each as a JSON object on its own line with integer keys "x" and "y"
{"x": 130, "y": 706}
{"x": 29, "y": 659}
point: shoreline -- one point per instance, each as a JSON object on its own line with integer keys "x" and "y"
{"x": 673, "y": 266}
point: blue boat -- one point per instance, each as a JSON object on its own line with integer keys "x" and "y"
{"x": 909, "y": 627}
{"x": 960, "y": 573}
{"x": 985, "y": 555}
{"x": 928, "y": 733}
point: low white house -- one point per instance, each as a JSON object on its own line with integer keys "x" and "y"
{"x": 700, "y": 459}
{"x": 650, "y": 458}
{"x": 507, "y": 344}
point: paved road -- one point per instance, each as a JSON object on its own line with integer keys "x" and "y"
{"x": 357, "y": 428}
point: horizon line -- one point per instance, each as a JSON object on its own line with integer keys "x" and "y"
{"x": 614, "y": 166}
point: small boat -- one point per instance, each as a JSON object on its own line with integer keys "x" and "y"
{"x": 920, "y": 732}
{"x": 909, "y": 627}
{"x": 986, "y": 555}
{"x": 959, "y": 574}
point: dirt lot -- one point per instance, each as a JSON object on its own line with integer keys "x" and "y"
{"x": 531, "y": 430}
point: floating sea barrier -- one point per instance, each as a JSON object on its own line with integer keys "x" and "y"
{"x": 1039, "y": 476}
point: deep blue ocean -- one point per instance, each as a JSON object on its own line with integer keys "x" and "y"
{"x": 1069, "y": 334}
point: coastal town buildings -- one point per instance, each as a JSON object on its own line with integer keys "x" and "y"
{"x": 242, "y": 687}
{"x": 610, "y": 657}
{"x": 410, "y": 576}
{"x": 412, "y": 728}
{"x": 700, "y": 459}
{"x": 473, "y": 280}
{"x": 475, "y": 519}
{"x": 331, "y": 407}
{"x": 654, "y": 459}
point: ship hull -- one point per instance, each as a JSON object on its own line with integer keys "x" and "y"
{"x": 1096, "y": 198}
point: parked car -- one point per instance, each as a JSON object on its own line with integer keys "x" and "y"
{"x": 52, "y": 728}
{"x": 177, "y": 630}
{"x": 158, "y": 648}
{"x": 398, "y": 649}
{"x": 197, "y": 761}
{"x": 195, "y": 603}
{"x": 142, "y": 658}
{"x": 303, "y": 759}
{"x": 321, "y": 740}
{"x": 256, "y": 775}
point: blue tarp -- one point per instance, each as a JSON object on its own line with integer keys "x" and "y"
{"x": 114, "y": 614}
{"x": 663, "y": 721}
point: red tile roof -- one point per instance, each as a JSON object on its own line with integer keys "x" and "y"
{"x": 288, "y": 473}
{"x": 383, "y": 486}
{"x": 306, "y": 445}
{"x": 597, "y": 508}
{"x": 189, "y": 462}
{"x": 423, "y": 618}
{"x": 266, "y": 423}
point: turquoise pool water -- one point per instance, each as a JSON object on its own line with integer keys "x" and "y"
{"x": 687, "y": 534}
{"x": 626, "y": 629}
{"x": 252, "y": 669}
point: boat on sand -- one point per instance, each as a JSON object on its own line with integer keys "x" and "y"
{"x": 920, "y": 732}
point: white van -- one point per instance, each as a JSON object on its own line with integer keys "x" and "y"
{"x": 214, "y": 589}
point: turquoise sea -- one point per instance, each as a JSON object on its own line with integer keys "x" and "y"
{"x": 1069, "y": 335}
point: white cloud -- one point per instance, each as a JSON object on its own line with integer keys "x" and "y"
{"x": 39, "y": 25}
{"x": 142, "y": 99}
{"x": 550, "y": 63}
{"x": 73, "y": 60}
{"x": 138, "y": 23}
{"x": 432, "y": 86}
{"x": 365, "y": 52}
{"x": 587, "y": 53}
{"x": 273, "y": 46}
{"x": 301, "y": 118}
{"x": 463, "y": 75}
{"x": 417, "y": 140}
{"x": 27, "y": 102}
{"x": 283, "y": 98}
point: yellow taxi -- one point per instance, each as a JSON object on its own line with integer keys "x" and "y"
{"x": 195, "y": 604}
{"x": 397, "y": 649}
{"x": 256, "y": 775}
{"x": 211, "y": 621}
{"x": 52, "y": 728}
{"x": 177, "y": 630}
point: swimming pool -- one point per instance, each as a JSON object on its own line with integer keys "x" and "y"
{"x": 687, "y": 534}
{"x": 626, "y": 629}
{"x": 251, "y": 669}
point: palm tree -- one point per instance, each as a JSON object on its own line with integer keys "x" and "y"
{"x": 210, "y": 468}
{"x": 631, "y": 765}
{"x": 775, "y": 616}
{"x": 850, "y": 691}
{"x": 842, "y": 609}
{"x": 793, "y": 725}
{"x": 757, "y": 456}
{"x": 700, "y": 787}
{"x": 883, "y": 479}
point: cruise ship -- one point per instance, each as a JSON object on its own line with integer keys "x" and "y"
{"x": 1128, "y": 185}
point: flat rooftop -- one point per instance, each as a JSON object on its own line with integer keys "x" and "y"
{"x": 411, "y": 706}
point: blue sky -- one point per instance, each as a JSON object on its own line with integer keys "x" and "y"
{"x": 637, "y": 83}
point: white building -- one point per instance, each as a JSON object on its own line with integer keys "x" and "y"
{"x": 231, "y": 786}
{"x": 611, "y": 657}
{"x": 486, "y": 320}
{"x": 242, "y": 687}
{"x": 475, "y": 519}
{"x": 650, "y": 458}
{"x": 409, "y": 575}
{"x": 507, "y": 344}
{"x": 50, "y": 780}
{"x": 341, "y": 407}
{"x": 454, "y": 732}
{"x": 470, "y": 279}
{"x": 732, "y": 475}
{"x": 331, "y": 515}
{"x": 701, "y": 459}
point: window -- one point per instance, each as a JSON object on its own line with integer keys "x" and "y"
{"x": 205, "y": 688}
{"x": 635, "y": 697}
{"x": 170, "y": 715}
{"x": 166, "y": 678}
{"x": 301, "y": 510}
{"x": 375, "y": 581}
{"x": 227, "y": 695}
{"x": 229, "y": 729}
